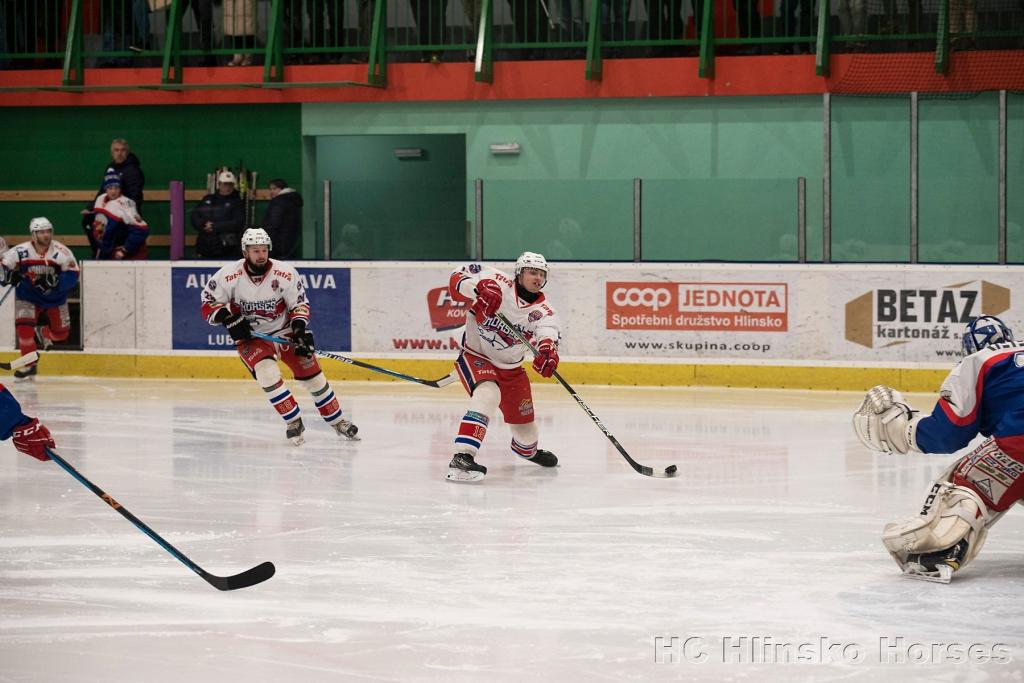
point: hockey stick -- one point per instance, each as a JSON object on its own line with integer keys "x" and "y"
{"x": 27, "y": 359}
{"x": 436, "y": 383}
{"x": 10, "y": 288}
{"x": 250, "y": 577}
{"x": 670, "y": 471}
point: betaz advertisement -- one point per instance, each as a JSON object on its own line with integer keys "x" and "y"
{"x": 328, "y": 290}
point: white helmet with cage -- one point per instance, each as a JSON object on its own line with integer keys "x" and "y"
{"x": 40, "y": 223}
{"x": 255, "y": 236}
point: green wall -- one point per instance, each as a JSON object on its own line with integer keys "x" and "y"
{"x": 720, "y": 174}
{"x": 65, "y": 148}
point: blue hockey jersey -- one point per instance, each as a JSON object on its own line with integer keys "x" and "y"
{"x": 983, "y": 394}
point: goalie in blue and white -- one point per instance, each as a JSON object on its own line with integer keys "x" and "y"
{"x": 983, "y": 394}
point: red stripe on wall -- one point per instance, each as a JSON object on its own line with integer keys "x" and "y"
{"x": 623, "y": 78}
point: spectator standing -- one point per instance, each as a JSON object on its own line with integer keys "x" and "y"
{"x": 44, "y": 271}
{"x": 240, "y": 30}
{"x": 430, "y": 25}
{"x": 283, "y": 220}
{"x": 219, "y": 219}
{"x": 127, "y": 167}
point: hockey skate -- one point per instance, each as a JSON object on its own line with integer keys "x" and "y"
{"x": 295, "y": 430}
{"x": 464, "y": 468}
{"x": 26, "y": 374}
{"x": 346, "y": 429}
{"x": 938, "y": 566}
{"x": 543, "y": 458}
{"x": 42, "y": 341}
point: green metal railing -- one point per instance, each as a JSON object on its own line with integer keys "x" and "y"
{"x": 275, "y": 33}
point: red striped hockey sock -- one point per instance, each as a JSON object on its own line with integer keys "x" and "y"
{"x": 472, "y": 431}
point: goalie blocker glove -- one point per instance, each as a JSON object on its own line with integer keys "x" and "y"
{"x": 302, "y": 338}
{"x": 236, "y": 324}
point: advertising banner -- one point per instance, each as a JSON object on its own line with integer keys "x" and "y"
{"x": 791, "y": 313}
{"x": 328, "y": 290}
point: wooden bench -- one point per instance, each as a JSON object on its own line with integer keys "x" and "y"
{"x": 84, "y": 196}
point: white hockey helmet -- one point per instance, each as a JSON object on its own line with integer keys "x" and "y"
{"x": 529, "y": 259}
{"x": 226, "y": 177}
{"x": 255, "y": 236}
{"x": 40, "y": 223}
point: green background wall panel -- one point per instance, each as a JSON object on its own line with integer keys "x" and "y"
{"x": 870, "y": 179}
{"x": 959, "y": 179}
{"x": 66, "y": 148}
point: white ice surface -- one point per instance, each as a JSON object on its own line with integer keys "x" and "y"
{"x": 385, "y": 571}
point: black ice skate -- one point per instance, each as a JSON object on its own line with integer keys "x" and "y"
{"x": 936, "y": 566}
{"x": 26, "y": 374}
{"x": 543, "y": 458}
{"x": 42, "y": 341}
{"x": 464, "y": 468}
{"x": 294, "y": 433}
{"x": 346, "y": 429}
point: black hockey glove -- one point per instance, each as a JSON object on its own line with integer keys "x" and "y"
{"x": 238, "y": 327}
{"x": 12, "y": 277}
{"x": 46, "y": 282}
{"x": 302, "y": 338}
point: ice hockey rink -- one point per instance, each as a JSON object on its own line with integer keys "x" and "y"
{"x": 761, "y": 561}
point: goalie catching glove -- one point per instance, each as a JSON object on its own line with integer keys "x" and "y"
{"x": 885, "y": 422}
{"x": 302, "y": 338}
{"x": 546, "y": 360}
{"x": 236, "y": 324}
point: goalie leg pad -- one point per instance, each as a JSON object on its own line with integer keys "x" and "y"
{"x": 948, "y": 533}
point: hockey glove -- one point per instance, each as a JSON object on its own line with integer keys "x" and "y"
{"x": 32, "y": 438}
{"x": 302, "y": 338}
{"x": 238, "y": 327}
{"x": 546, "y": 360}
{"x": 46, "y": 282}
{"x": 488, "y": 299}
{"x": 12, "y": 277}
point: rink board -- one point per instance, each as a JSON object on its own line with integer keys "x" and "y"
{"x": 751, "y": 325}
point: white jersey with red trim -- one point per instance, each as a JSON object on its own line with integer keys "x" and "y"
{"x": 121, "y": 209}
{"x": 24, "y": 257}
{"x": 983, "y": 394}
{"x": 492, "y": 340}
{"x": 270, "y": 302}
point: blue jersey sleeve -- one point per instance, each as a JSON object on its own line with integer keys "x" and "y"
{"x": 10, "y": 413}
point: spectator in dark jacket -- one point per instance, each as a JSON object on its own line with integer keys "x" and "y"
{"x": 126, "y": 166}
{"x": 219, "y": 219}
{"x": 283, "y": 220}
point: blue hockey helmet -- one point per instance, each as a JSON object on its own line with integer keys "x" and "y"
{"x": 984, "y": 331}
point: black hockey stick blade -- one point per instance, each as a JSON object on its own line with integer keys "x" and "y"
{"x": 249, "y": 577}
{"x": 436, "y": 383}
{"x": 668, "y": 472}
{"x": 21, "y": 362}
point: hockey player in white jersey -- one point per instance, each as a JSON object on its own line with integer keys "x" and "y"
{"x": 490, "y": 365}
{"x": 43, "y": 272}
{"x": 258, "y": 294}
{"x": 983, "y": 394}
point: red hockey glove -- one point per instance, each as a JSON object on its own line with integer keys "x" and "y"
{"x": 488, "y": 299}
{"x": 31, "y": 438}
{"x": 546, "y": 360}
